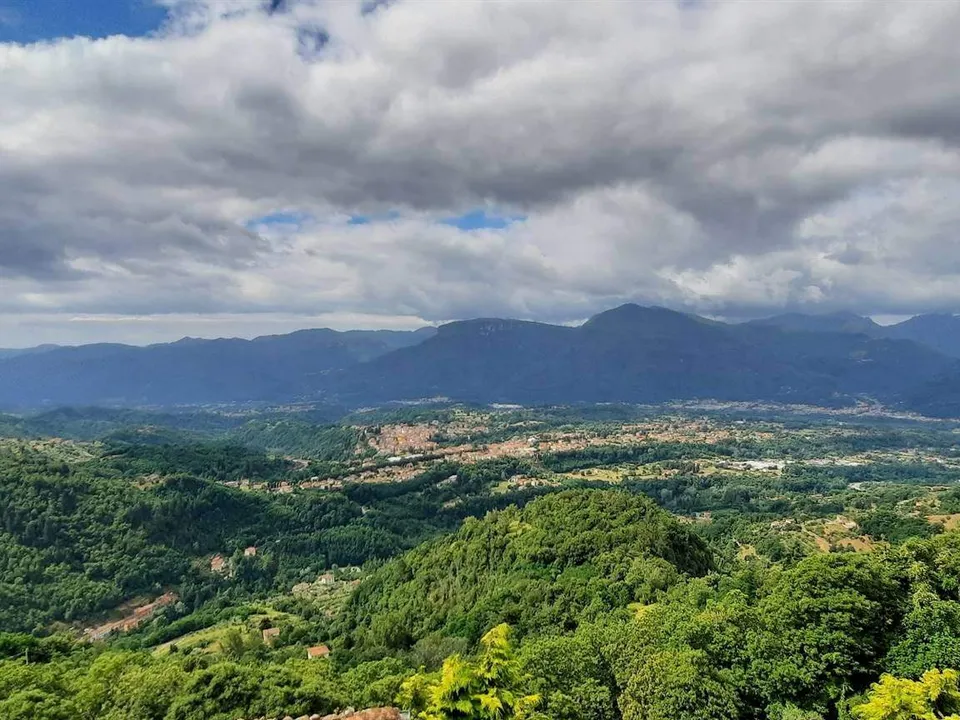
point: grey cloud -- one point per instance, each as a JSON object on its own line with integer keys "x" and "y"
{"x": 24, "y": 251}
{"x": 713, "y": 156}
{"x": 853, "y": 255}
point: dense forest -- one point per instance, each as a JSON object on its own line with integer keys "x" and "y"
{"x": 563, "y": 560}
{"x": 80, "y": 537}
{"x": 646, "y": 581}
{"x": 635, "y": 626}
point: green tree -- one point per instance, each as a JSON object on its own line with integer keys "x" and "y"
{"x": 572, "y": 675}
{"x": 678, "y": 684}
{"x": 791, "y": 712}
{"x": 931, "y": 637}
{"x": 935, "y": 696}
{"x": 488, "y": 688}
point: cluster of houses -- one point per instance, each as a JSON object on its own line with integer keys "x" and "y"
{"x": 316, "y": 652}
{"x": 317, "y": 483}
{"x": 245, "y": 484}
{"x": 221, "y": 565}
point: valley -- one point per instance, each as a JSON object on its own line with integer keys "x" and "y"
{"x": 314, "y": 567}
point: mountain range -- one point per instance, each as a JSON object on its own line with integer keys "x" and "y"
{"x": 940, "y": 331}
{"x": 627, "y": 354}
{"x": 190, "y": 371}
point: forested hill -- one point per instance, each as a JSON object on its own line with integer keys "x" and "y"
{"x": 550, "y": 587}
{"x": 85, "y": 528}
{"x": 560, "y": 561}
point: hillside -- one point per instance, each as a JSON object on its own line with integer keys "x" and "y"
{"x": 86, "y": 527}
{"x": 138, "y": 580}
{"x": 940, "y": 331}
{"x": 938, "y": 397}
{"x": 561, "y": 560}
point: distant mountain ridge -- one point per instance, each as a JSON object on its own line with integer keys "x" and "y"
{"x": 13, "y": 352}
{"x": 829, "y": 322}
{"x": 647, "y": 355}
{"x": 190, "y": 371}
{"x": 628, "y": 354}
{"x": 940, "y": 331}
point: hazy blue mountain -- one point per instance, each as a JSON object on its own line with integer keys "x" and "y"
{"x": 190, "y": 371}
{"x": 940, "y": 397}
{"x": 940, "y": 331}
{"x": 637, "y": 354}
{"x": 13, "y": 352}
{"x": 846, "y": 322}
{"x": 628, "y": 354}
{"x": 481, "y": 360}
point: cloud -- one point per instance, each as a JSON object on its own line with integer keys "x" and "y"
{"x": 727, "y": 157}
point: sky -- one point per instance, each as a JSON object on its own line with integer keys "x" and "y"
{"x": 232, "y": 167}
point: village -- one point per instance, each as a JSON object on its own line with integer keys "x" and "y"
{"x": 398, "y": 452}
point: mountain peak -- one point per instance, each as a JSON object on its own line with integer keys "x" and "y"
{"x": 484, "y": 326}
{"x": 639, "y": 318}
{"x": 940, "y": 331}
{"x": 841, "y": 321}
{"x": 946, "y": 319}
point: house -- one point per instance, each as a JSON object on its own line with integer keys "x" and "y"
{"x": 326, "y": 579}
{"x": 449, "y": 481}
{"x": 320, "y": 651}
{"x": 250, "y": 551}
{"x": 218, "y": 564}
{"x": 270, "y": 635}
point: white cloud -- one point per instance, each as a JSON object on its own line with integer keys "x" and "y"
{"x": 726, "y": 157}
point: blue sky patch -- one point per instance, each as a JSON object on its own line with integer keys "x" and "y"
{"x": 367, "y": 219}
{"x": 479, "y": 219}
{"x": 27, "y": 21}
{"x": 482, "y": 220}
{"x": 280, "y": 217}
